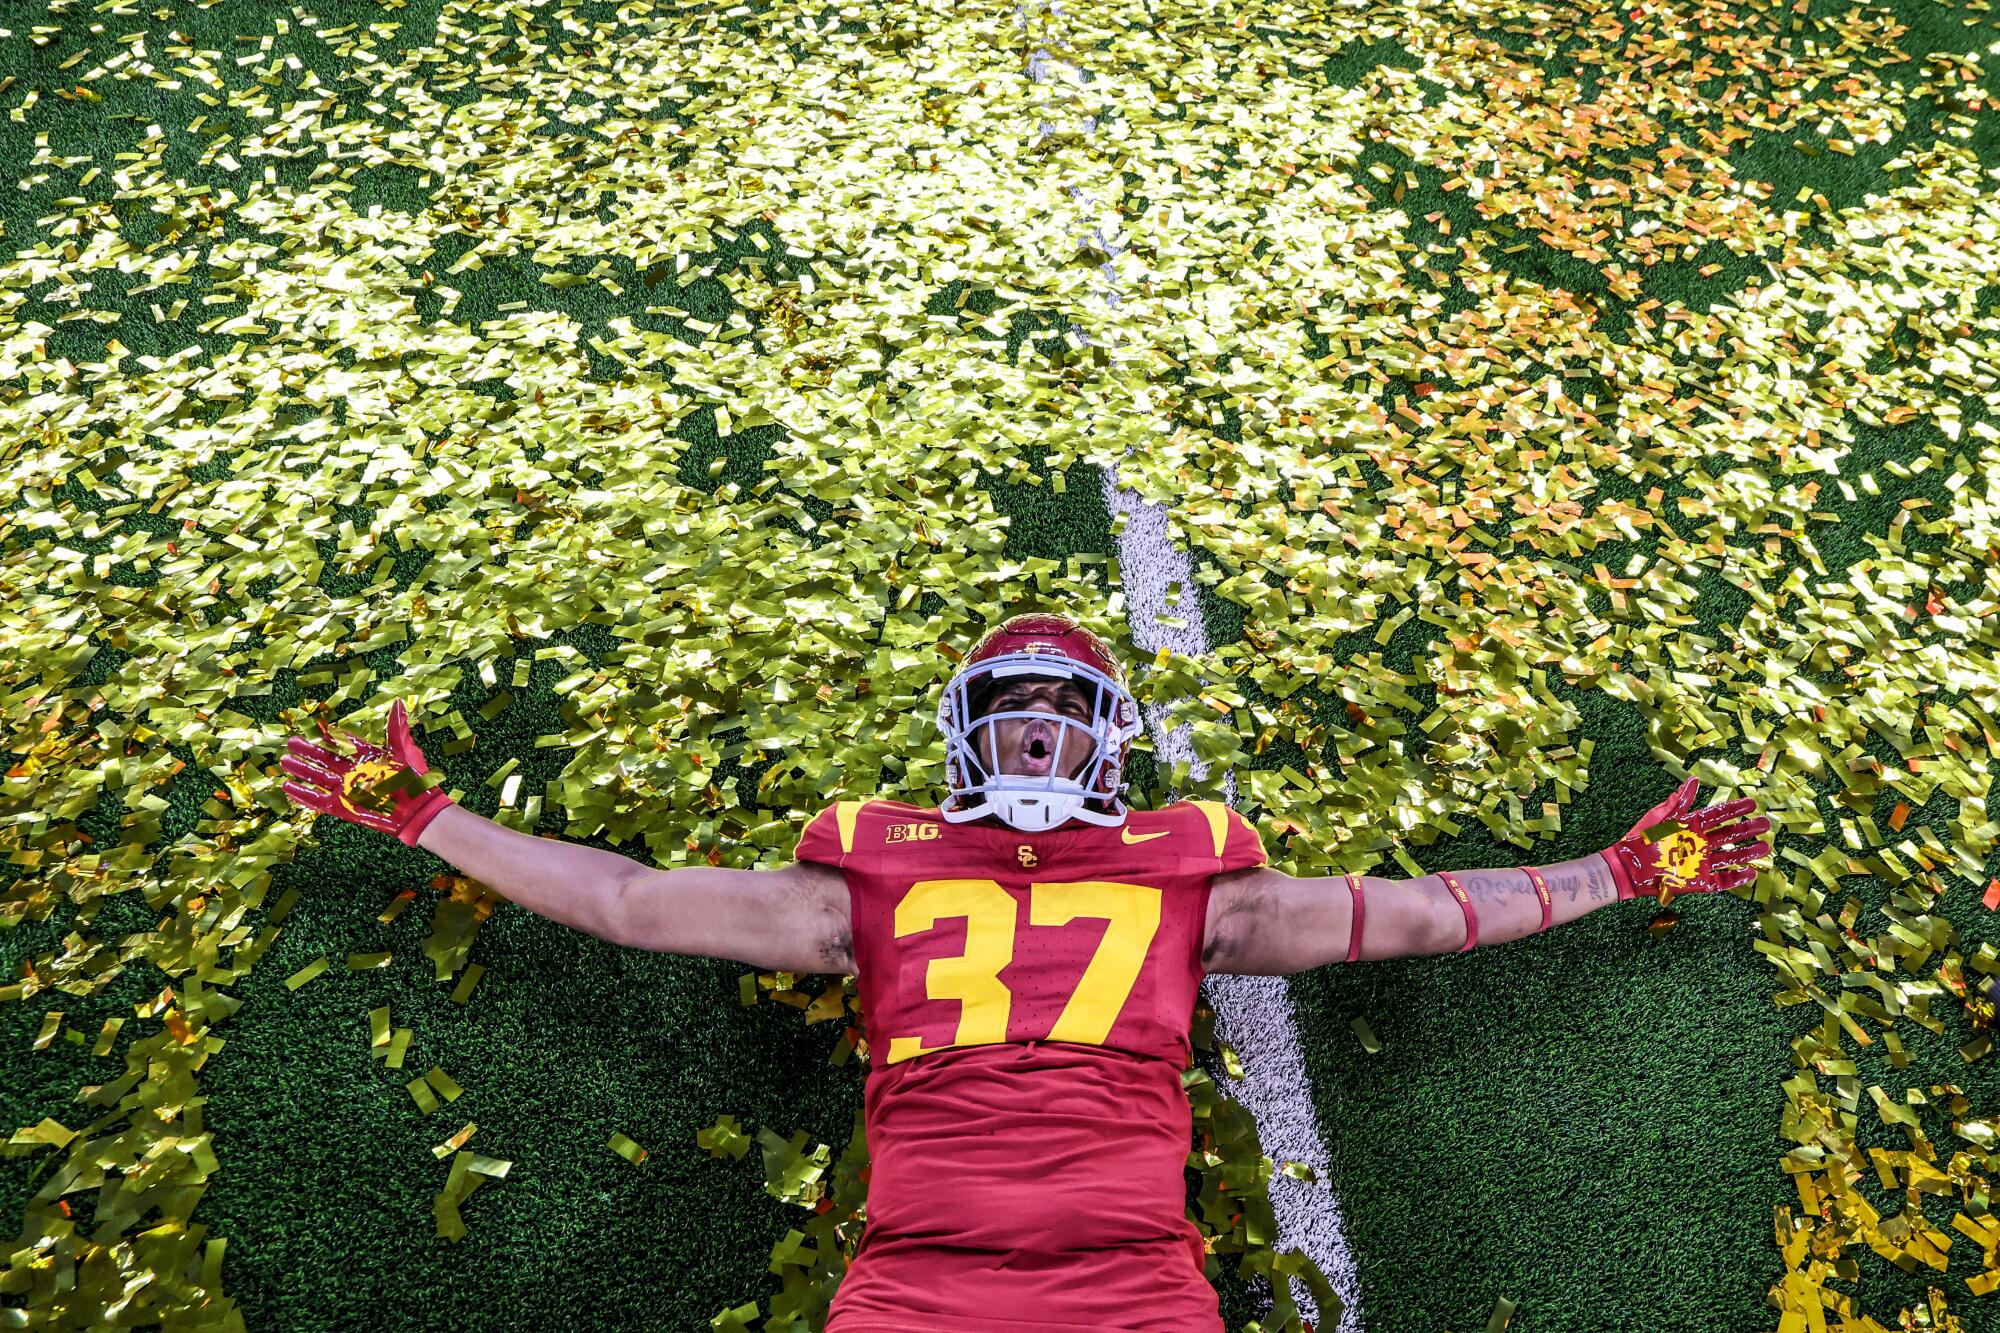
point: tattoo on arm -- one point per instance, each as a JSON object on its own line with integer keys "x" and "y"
{"x": 1587, "y": 877}
{"x": 1482, "y": 885}
{"x": 1602, "y": 885}
{"x": 1573, "y": 880}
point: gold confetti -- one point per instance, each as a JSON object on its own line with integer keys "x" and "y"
{"x": 444, "y": 1084}
{"x": 1391, "y": 425}
{"x": 627, "y": 1149}
{"x": 456, "y": 1141}
{"x": 463, "y": 990}
{"x": 107, "y": 1035}
{"x": 420, "y": 1091}
{"x": 1369, "y": 1042}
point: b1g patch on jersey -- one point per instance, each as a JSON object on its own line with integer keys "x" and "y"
{"x": 911, "y": 832}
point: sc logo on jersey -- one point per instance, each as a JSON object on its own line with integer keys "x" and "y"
{"x": 913, "y": 832}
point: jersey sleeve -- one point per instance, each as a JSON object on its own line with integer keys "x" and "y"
{"x": 829, "y": 835}
{"x": 1242, "y": 848}
{"x": 1231, "y": 839}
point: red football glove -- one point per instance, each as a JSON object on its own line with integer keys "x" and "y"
{"x": 383, "y": 789}
{"x": 1707, "y": 854}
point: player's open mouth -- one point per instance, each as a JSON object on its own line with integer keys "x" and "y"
{"x": 1037, "y": 756}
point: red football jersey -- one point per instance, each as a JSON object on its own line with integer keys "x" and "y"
{"x": 1028, "y": 998}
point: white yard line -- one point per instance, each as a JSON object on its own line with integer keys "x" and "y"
{"x": 1253, "y": 1014}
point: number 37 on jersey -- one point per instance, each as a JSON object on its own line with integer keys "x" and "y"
{"x": 969, "y": 935}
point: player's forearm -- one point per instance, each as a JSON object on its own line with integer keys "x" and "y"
{"x": 1508, "y": 906}
{"x": 564, "y": 881}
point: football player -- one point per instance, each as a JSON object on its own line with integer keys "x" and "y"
{"x": 1027, "y": 954}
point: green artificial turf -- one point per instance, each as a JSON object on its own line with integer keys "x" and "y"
{"x": 1585, "y": 1123}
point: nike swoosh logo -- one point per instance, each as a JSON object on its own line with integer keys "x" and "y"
{"x": 1126, "y": 835}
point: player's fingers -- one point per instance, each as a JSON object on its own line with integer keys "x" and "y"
{"x": 314, "y": 754}
{"x": 1709, "y": 816}
{"x": 308, "y": 776}
{"x": 1674, "y": 807}
{"x": 1743, "y": 832}
{"x": 1731, "y": 856}
{"x": 1667, "y": 809}
{"x": 360, "y": 746}
{"x": 401, "y": 743}
{"x": 311, "y": 798}
{"x": 307, "y": 771}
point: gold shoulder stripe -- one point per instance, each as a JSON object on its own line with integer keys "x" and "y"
{"x": 845, "y": 813}
{"x": 1218, "y": 822}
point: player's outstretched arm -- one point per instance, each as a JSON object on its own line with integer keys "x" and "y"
{"x": 564, "y": 881}
{"x": 792, "y": 919}
{"x": 393, "y": 790}
{"x": 1671, "y": 850}
{"x": 1265, "y": 923}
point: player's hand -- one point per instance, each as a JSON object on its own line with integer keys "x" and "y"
{"x": 391, "y": 790}
{"x": 1710, "y": 852}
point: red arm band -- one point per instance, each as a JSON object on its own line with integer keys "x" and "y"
{"x": 1355, "y": 927}
{"x": 1465, "y": 905}
{"x": 1542, "y": 892}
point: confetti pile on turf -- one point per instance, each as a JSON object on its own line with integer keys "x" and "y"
{"x": 268, "y": 452}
